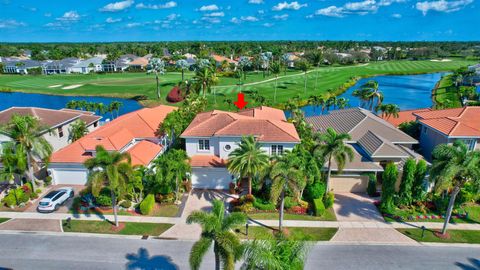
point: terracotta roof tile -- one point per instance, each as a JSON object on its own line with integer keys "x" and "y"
{"x": 143, "y": 152}
{"x": 453, "y": 122}
{"x": 405, "y": 116}
{"x": 207, "y": 161}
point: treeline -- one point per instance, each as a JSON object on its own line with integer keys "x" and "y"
{"x": 42, "y": 51}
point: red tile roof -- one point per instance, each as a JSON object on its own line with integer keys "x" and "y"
{"x": 143, "y": 152}
{"x": 221, "y": 58}
{"x": 117, "y": 134}
{"x": 405, "y": 116}
{"x": 453, "y": 122}
{"x": 207, "y": 161}
{"x": 267, "y": 124}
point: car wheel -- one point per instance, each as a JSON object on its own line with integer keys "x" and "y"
{"x": 56, "y": 207}
{"x": 72, "y": 194}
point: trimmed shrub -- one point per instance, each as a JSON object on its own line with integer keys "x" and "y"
{"x": 9, "y": 200}
{"x": 318, "y": 207}
{"x": 249, "y": 198}
{"x": 290, "y": 202}
{"x": 329, "y": 200}
{"x": 245, "y": 208}
{"x": 372, "y": 185}
{"x": 408, "y": 177}
{"x": 175, "y": 95}
{"x": 126, "y": 204}
{"x": 103, "y": 200}
{"x": 390, "y": 176}
{"x": 420, "y": 173}
{"x": 314, "y": 191}
{"x": 146, "y": 206}
{"x": 47, "y": 181}
{"x": 38, "y": 191}
{"x": 264, "y": 206}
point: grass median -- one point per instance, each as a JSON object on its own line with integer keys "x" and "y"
{"x": 328, "y": 216}
{"x": 295, "y": 233}
{"x": 3, "y": 220}
{"x": 125, "y": 228}
{"x": 456, "y": 236}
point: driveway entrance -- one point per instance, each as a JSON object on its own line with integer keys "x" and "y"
{"x": 355, "y": 207}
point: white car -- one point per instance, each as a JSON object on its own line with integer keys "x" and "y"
{"x": 52, "y": 201}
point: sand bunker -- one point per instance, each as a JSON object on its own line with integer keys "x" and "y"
{"x": 55, "y": 86}
{"x": 441, "y": 60}
{"x": 73, "y": 86}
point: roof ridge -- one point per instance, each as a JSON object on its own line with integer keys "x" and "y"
{"x": 233, "y": 122}
{"x": 284, "y": 131}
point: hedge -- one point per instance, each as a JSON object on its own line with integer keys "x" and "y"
{"x": 329, "y": 200}
{"x": 268, "y": 206}
{"x": 146, "y": 206}
{"x": 318, "y": 207}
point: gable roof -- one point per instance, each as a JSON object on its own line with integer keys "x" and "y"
{"x": 357, "y": 122}
{"x": 267, "y": 124}
{"x": 48, "y": 117}
{"x": 117, "y": 134}
{"x": 455, "y": 122}
{"x": 377, "y": 147}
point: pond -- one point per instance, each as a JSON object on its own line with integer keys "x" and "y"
{"x": 407, "y": 91}
{"x": 17, "y": 99}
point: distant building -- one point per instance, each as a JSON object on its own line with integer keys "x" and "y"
{"x": 19, "y": 66}
{"x": 475, "y": 68}
{"x": 121, "y": 64}
{"x": 63, "y": 66}
{"x": 93, "y": 64}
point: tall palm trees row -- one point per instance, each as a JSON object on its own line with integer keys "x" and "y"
{"x": 97, "y": 107}
{"x": 329, "y": 103}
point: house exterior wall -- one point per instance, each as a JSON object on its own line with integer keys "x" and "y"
{"x": 429, "y": 138}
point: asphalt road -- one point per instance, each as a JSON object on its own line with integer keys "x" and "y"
{"x": 33, "y": 251}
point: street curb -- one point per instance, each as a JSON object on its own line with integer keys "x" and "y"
{"x": 99, "y": 235}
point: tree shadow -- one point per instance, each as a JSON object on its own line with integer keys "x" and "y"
{"x": 143, "y": 261}
{"x": 474, "y": 264}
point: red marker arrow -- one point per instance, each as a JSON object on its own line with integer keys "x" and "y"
{"x": 240, "y": 103}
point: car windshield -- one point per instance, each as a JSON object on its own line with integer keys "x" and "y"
{"x": 43, "y": 203}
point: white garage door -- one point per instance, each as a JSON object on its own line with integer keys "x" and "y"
{"x": 69, "y": 176}
{"x": 354, "y": 183}
{"x": 211, "y": 178}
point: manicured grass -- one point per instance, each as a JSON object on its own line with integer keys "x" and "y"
{"x": 3, "y": 219}
{"x": 328, "y": 216}
{"x": 296, "y": 233}
{"x": 456, "y": 236}
{"x": 166, "y": 210}
{"x": 105, "y": 227}
{"x": 133, "y": 84}
{"x": 446, "y": 91}
{"x": 472, "y": 209}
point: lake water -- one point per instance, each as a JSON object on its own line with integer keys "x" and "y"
{"x": 407, "y": 91}
{"x": 8, "y": 100}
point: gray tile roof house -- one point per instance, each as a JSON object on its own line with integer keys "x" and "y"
{"x": 374, "y": 142}
{"x": 88, "y": 65}
{"x": 18, "y": 66}
{"x": 60, "y": 66}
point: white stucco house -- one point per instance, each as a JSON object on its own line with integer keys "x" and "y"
{"x": 213, "y": 135}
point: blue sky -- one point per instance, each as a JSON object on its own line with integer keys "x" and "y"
{"x": 155, "y": 20}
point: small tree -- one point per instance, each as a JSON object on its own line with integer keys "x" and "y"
{"x": 420, "y": 173}
{"x": 275, "y": 69}
{"x": 408, "y": 178}
{"x": 157, "y": 65}
{"x": 390, "y": 176}
{"x": 77, "y": 130}
{"x": 182, "y": 64}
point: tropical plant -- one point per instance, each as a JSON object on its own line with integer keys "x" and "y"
{"x": 217, "y": 229}
{"x": 275, "y": 253}
{"x": 375, "y": 96}
{"x": 183, "y": 65}
{"x": 115, "y": 107}
{"x": 388, "y": 110}
{"x": 157, "y": 65}
{"x": 454, "y": 166}
{"x": 25, "y": 132}
{"x": 389, "y": 178}
{"x": 408, "y": 179}
{"x": 332, "y": 145}
{"x": 285, "y": 60}
{"x": 78, "y": 129}
{"x": 248, "y": 160}
{"x": 342, "y": 103}
{"x": 287, "y": 177}
{"x": 109, "y": 169}
{"x": 420, "y": 173}
{"x": 275, "y": 69}
{"x": 205, "y": 76}
{"x": 14, "y": 163}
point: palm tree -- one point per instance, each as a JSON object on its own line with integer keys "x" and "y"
{"x": 317, "y": 58}
{"x": 25, "y": 132}
{"x": 285, "y": 60}
{"x": 342, "y": 103}
{"x": 373, "y": 93}
{"x": 244, "y": 62}
{"x": 72, "y": 104}
{"x": 286, "y": 176}
{"x": 277, "y": 253}
{"x": 112, "y": 170}
{"x": 14, "y": 163}
{"x": 115, "y": 107}
{"x": 157, "y": 65}
{"x": 182, "y": 64}
{"x": 275, "y": 69}
{"x": 174, "y": 165}
{"x": 331, "y": 101}
{"x": 453, "y": 166}
{"x": 332, "y": 145}
{"x": 304, "y": 66}
{"x": 248, "y": 160}
{"x": 388, "y": 110}
{"x": 78, "y": 129}
{"x": 206, "y": 78}
{"x": 364, "y": 96}
{"x": 217, "y": 229}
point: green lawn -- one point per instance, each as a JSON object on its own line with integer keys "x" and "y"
{"x": 297, "y": 233}
{"x": 131, "y": 228}
{"x": 328, "y": 216}
{"x": 133, "y": 84}
{"x": 446, "y": 90}
{"x": 3, "y": 219}
{"x": 472, "y": 209}
{"x": 456, "y": 236}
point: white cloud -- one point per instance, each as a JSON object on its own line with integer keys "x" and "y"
{"x": 173, "y": 16}
{"x": 255, "y": 2}
{"x": 131, "y": 25}
{"x": 293, "y": 5}
{"x": 211, "y": 19}
{"x": 389, "y": 2}
{"x": 442, "y": 6}
{"x": 117, "y": 6}
{"x": 69, "y": 16}
{"x": 209, "y": 8}
{"x": 249, "y": 18}
{"x": 215, "y": 14}
{"x": 367, "y": 5}
{"x": 281, "y": 17}
{"x": 397, "y": 16}
{"x": 10, "y": 24}
{"x": 235, "y": 20}
{"x": 268, "y": 24}
{"x": 331, "y": 11}
{"x": 48, "y": 14}
{"x": 170, "y": 4}
{"x": 113, "y": 20}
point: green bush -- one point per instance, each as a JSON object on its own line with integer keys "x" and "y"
{"x": 318, "y": 207}
{"x": 263, "y": 205}
{"x": 38, "y": 191}
{"x": 290, "y": 202}
{"x": 165, "y": 198}
{"x": 9, "y": 200}
{"x": 104, "y": 200}
{"x": 329, "y": 200}
{"x": 408, "y": 179}
{"x": 469, "y": 193}
{"x": 146, "y": 206}
{"x": 420, "y": 173}
{"x": 245, "y": 208}
{"x": 47, "y": 181}
{"x": 390, "y": 176}
{"x": 126, "y": 204}
{"x": 314, "y": 191}
{"x": 372, "y": 185}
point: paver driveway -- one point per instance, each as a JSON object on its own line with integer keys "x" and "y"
{"x": 355, "y": 207}
{"x": 43, "y": 225}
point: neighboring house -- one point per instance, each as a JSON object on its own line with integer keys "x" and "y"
{"x": 219, "y": 59}
{"x": 133, "y": 133}
{"x": 405, "y": 116}
{"x": 56, "y": 122}
{"x": 475, "y": 68}
{"x": 447, "y": 126}
{"x": 121, "y": 64}
{"x": 93, "y": 64}
{"x": 63, "y": 66}
{"x": 19, "y": 66}
{"x": 374, "y": 142}
{"x": 212, "y": 136}
{"x": 291, "y": 59}
{"x": 139, "y": 63}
